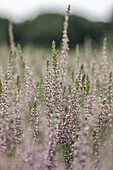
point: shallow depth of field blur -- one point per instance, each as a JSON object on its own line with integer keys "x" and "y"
{"x": 56, "y": 93}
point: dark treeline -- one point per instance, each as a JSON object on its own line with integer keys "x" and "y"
{"x": 47, "y": 27}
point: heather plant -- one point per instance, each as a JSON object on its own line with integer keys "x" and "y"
{"x": 62, "y": 121}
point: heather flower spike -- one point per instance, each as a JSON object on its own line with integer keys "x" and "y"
{"x": 11, "y": 36}
{"x": 65, "y": 48}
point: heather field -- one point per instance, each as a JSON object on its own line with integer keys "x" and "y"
{"x": 56, "y": 107}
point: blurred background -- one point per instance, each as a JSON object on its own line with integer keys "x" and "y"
{"x": 38, "y": 22}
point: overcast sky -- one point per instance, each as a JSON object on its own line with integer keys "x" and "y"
{"x": 20, "y": 10}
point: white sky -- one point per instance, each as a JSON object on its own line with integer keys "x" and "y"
{"x": 18, "y": 10}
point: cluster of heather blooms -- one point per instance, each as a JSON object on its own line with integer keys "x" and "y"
{"x": 64, "y": 121}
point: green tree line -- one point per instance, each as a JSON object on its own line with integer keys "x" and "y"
{"x": 48, "y": 27}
